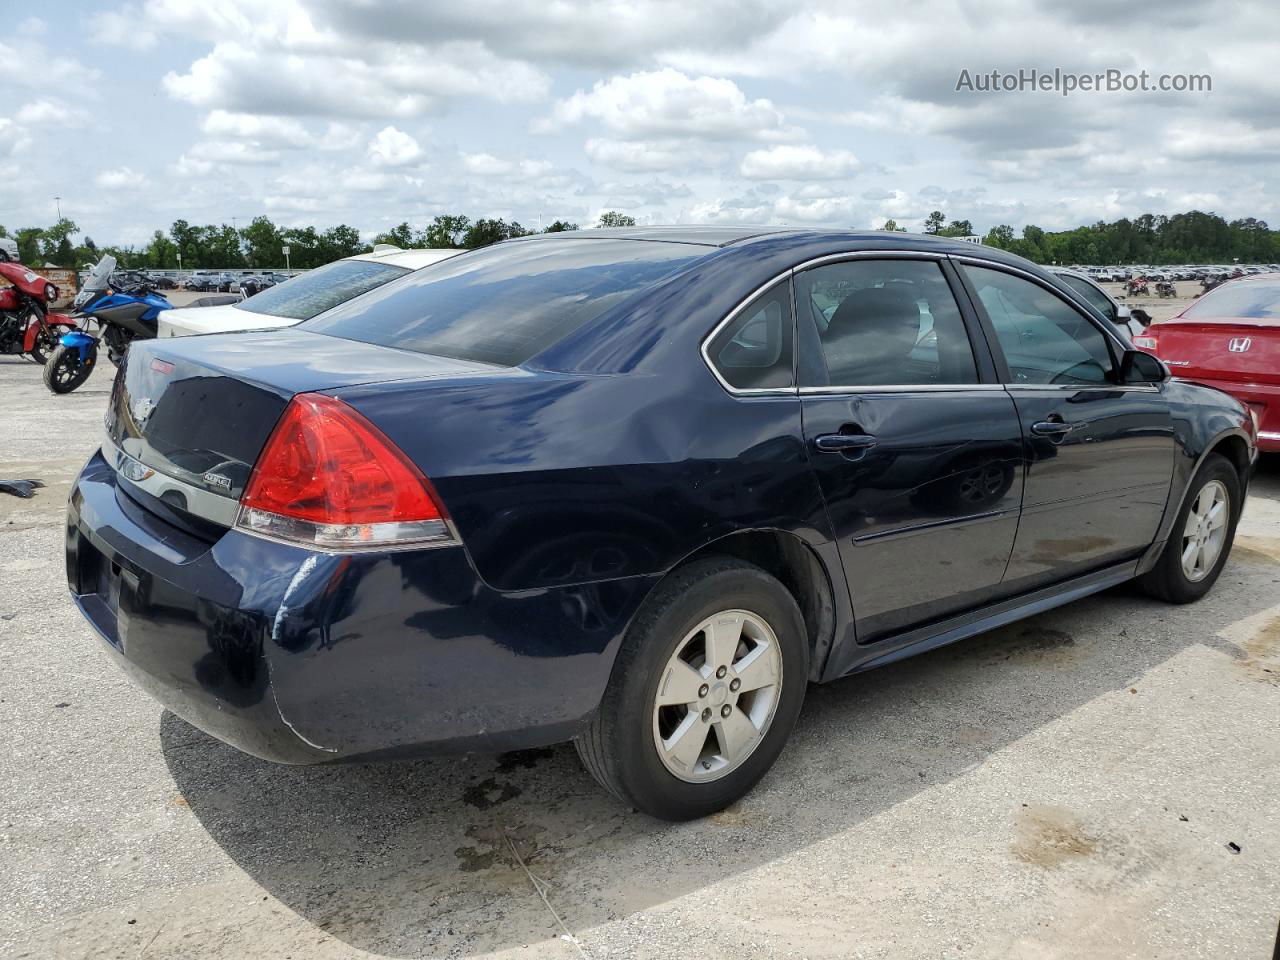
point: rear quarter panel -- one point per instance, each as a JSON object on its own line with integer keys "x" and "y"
{"x": 556, "y": 478}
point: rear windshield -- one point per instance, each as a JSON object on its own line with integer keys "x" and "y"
{"x": 505, "y": 303}
{"x": 1250, "y": 300}
{"x": 317, "y": 290}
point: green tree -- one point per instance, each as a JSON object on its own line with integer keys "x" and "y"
{"x": 161, "y": 252}
{"x": 999, "y": 236}
{"x": 340, "y": 241}
{"x": 484, "y": 232}
{"x": 262, "y": 243}
{"x": 398, "y": 236}
{"x": 304, "y": 247}
{"x": 560, "y": 226}
{"x": 55, "y": 244}
{"x": 445, "y": 231}
{"x": 223, "y": 245}
{"x": 957, "y": 228}
{"x": 892, "y": 227}
{"x": 934, "y": 222}
{"x": 611, "y": 218}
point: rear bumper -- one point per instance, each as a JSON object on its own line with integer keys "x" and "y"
{"x": 1263, "y": 399}
{"x": 300, "y": 657}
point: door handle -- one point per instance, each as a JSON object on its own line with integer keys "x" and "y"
{"x": 1052, "y": 428}
{"x": 844, "y": 442}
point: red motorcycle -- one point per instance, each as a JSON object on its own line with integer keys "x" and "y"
{"x": 26, "y": 325}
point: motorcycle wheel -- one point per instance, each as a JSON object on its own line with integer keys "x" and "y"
{"x": 46, "y": 343}
{"x": 64, "y": 372}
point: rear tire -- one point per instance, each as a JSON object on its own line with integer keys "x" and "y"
{"x": 693, "y": 718}
{"x": 1198, "y": 543}
{"x": 64, "y": 372}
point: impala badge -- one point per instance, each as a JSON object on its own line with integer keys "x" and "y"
{"x": 217, "y": 480}
{"x": 1239, "y": 344}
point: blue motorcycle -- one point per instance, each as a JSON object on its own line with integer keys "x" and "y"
{"x": 122, "y": 315}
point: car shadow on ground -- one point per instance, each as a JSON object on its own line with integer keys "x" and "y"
{"x": 415, "y": 858}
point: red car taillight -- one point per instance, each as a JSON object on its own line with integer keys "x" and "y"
{"x": 329, "y": 478}
{"x": 1146, "y": 341}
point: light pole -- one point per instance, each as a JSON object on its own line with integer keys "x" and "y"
{"x": 58, "y": 201}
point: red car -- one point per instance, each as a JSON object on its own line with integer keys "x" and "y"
{"x": 1230, "y": 339}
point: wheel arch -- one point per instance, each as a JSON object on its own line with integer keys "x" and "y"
{"x": 798, "y": 567}
{"x": 1235, "y": 448}
{"x": 1232, "y": 443}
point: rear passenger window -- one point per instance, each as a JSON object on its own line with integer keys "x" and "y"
{"x": 754, "y": 351}
{"x": 1044, "y": 339}
{"x": 886, "y": 323}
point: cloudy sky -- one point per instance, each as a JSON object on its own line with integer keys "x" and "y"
{"x": 375, "y": 111}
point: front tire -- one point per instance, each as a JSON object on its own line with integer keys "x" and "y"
{"x": 704, "y": 693}
{"x": 64, "y": 372}
{"x": 45, "y": 344}
{"x": 1201, "y": 538}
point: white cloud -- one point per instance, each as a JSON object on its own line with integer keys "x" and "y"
{"x": 394, "y": 148}
{"x": 231, "y": 152}
{"x": 796, "y": 162}
{"x": 279, "y": 131}
{"x": 127, "y": 27}
{"x": 667, "y": 103}
{"x": 487, "y": 165}
{"x": 337, "y": 76}
{"x": 121, "y": 178}
{"x": 50, "y": 114}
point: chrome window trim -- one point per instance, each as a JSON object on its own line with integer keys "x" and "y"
{"x": 870, "y": 254}
{"x": 787, "y": 274}
{"x": 902, "y": 388}
{"x": 728, "y": 319}
{"x": 1080, "y": 387}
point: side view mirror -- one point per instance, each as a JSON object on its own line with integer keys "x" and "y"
{"x": 1139, "y": 367}
{"x": 1122, "y": 313}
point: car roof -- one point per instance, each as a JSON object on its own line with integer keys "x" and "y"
{"x": 413, "y": 259}
{"x": 706, "y": 235}
{"x": 744, "y": 234}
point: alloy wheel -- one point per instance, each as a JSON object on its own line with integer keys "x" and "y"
{"x": 1205, "y": 531}
{"x": 717, "y": 696}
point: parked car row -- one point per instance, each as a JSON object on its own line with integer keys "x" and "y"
{"x": 301, "y": 297}
{"x": 633, "y": 488}
{"x": 1154, "y": 273}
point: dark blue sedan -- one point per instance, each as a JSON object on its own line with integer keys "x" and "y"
{"x": 633, "y": 488}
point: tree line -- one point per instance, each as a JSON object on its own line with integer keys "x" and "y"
{"x": 1191, "y": 237}
{"x": 261, "y": 243}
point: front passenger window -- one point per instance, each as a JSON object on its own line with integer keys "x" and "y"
{"x": 1044, "y": 339}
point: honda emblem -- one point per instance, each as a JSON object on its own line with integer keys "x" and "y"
{"x": 1239, "y": 344}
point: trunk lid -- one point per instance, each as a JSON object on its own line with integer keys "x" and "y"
{"x": 189, "y": 416}
{"x": 1241, "y": 351}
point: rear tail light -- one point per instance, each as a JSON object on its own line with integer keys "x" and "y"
{"x": 329, "y": 478}
{"x": 1145, "y": 341}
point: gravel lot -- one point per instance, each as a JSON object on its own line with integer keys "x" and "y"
{"x": 1070, "y": 786}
